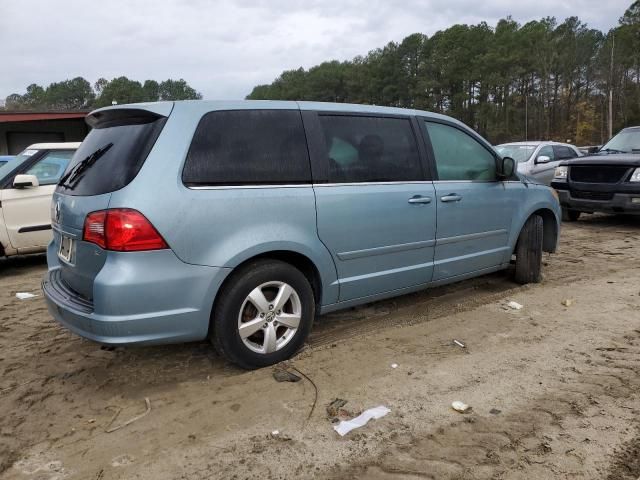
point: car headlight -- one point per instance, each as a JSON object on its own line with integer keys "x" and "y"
{"x": 635, "y": 176}
{"x": 561, "y": 173}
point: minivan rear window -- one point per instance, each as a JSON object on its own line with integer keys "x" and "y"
{"x": 248, "y": 147}
{"x": 111, "y": 155}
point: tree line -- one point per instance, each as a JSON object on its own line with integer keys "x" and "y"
{"x": 79, "y": 94}
{"x": 540, "y": 80}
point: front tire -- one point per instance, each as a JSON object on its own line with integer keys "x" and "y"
{"x": 263, "y": 314}
{"x": 529, "y": 251}
{"x": 570, "y": 215}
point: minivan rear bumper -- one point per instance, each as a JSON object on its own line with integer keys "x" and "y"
{"x": 145, "y": 298}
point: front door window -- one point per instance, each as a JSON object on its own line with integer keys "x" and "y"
{"x": 49, "y": 169}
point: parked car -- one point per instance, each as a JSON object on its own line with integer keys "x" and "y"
{"x": 241, "y": 221}
{"x": 607, "y": 181}
{"x": 538, "y": 160}
{"x": 26, "y": 186}
{"x": 5, "y": 159}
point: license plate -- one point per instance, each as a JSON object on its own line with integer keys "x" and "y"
{"x": 65, "y": 250}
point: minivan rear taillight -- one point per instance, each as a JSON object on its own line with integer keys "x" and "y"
{"x": 122, "y": 230}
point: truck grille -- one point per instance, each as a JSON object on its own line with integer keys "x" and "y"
{"x": 597, "y": 173}
{"x": 592, "y": 195}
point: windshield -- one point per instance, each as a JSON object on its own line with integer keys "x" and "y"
{"x": 520, "y": 153}
{"x": 7, "y": 168}
{"x": 627, "y": 141}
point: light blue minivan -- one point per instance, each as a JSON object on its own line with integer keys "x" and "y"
{"x": 242, "y": 221}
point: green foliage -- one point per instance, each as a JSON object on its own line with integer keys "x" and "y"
{"x": 78, "y": 94}
{"x": 72, "y": 94}
{"x": 120, "y": 90}
{"x": 542, "y": 80}
{"x": 176, "y": 90}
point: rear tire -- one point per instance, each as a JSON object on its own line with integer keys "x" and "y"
{"x": 529, "y": 252}
{"x": 570, "y": 215}
{"x": 263, "y": 314}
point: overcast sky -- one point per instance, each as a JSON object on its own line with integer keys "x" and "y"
{"x": 224, "y": 48}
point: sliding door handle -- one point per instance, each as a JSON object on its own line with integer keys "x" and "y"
{"x": 452, "y": 197}
{"x": 419, "y": 199}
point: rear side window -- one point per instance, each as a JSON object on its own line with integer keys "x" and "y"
{"x": 370, "y": 149}
{"x": 112, "y": 154}
{"x": 248, "y": 147}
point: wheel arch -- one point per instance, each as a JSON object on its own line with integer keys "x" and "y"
{"x": 297, "y": 260}
{"x": 550, "y": 228}
{"x": 294, "y": 258}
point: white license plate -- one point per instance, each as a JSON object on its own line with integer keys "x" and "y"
{"x": 65, "y": 250}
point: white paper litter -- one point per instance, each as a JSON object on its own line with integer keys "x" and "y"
{"x": 361, "y": 420}
{"x": 25, "y": 295}
{"x": 514, "y": 305}
{"x": 459, "y": 406}
{"x": 394, "y": 365}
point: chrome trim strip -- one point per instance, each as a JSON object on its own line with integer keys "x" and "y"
{"x": 470, "y": 236}
{"x": 386, "y": 249}
{"x": 57, "y": 228}
{"x": 355, "y": 184}
{"x": 345, "y": 184}
{"x": 244, "y": 187}
{"x": 468, "y": 181}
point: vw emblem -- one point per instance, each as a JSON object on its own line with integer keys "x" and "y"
{"x": 56, "y": 212}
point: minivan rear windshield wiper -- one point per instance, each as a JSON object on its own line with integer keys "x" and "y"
{"x": 70, "y": 179}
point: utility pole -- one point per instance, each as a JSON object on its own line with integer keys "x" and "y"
{"x": 526, "y": 117}
{"x": 613, "y": 44}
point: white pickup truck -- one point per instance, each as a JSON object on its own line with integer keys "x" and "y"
{"x": 26, "y": 187}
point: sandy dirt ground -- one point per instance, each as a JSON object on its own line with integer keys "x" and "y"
{"x": 554, "y": 388}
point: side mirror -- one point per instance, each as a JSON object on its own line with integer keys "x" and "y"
{"x": 506, "y": 167}
{"x": 25, "y": 181}
{"x": 543, "y": 159}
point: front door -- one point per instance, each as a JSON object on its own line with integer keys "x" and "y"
{"x": 27, "y": 211}
{"x": 543, "y": 171}
{"x": 377, "y": 212}
{"x": 474, "y": 208}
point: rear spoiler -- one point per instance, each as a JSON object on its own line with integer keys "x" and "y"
{"x": 115, "y": 117}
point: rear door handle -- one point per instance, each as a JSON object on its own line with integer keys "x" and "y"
{"x": 452, "y": 197}
{"x": 419, "y": 199}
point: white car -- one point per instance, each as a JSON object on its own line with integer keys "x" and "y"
{"x": 538, "y": 160}
{"x": 26, "y": 187}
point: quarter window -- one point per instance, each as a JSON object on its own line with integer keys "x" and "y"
{"x": 50, "y": 168}
{"x": 458, "y": 155}
{"x": 370, "y": 149}
{"x": 242, "y": 147}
